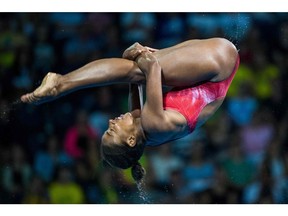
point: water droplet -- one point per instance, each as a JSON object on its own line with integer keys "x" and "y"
{"x": 6, "y": 109}
{"x": 142, "y": 193}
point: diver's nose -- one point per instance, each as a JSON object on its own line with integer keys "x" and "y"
{"x": 128, "y": 114}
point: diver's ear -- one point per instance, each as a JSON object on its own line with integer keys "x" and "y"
{"x": 131, "y": 141}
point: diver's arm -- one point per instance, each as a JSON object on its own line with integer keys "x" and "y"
{"x": 152, "y": 116}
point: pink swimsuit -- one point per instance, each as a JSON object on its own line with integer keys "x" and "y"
{"x": 191, "y": 101}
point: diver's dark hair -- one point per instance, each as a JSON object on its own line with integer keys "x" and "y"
{"x": 138, "y": 172}
{"x": 124, "y": 157}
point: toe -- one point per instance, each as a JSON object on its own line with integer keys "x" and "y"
{"x": 24, "y": 98}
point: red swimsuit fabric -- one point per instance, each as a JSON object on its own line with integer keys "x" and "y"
{"x": 190, "y": 101}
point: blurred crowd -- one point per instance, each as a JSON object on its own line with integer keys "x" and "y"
{"x": 50, "y": 153}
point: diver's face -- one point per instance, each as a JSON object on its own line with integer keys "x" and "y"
{"x": 119, "y": 129}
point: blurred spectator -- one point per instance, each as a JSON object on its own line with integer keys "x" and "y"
{"x": 171, "y": 29}
{"x": 218, "y": 133}
{"x": 28, "y": 24}
{"x": 99, "y": 121}
{"x": 23, "y": 73}
{"x": 275, "y": 157}
{"x": 66, "y": 24}
{"x": 79, "y": 137}
{"x": 199, "y": 172}
{"x": 257, "y": 136}
{"x": 284, "y": 183}
{"x": 11, "y": 34}
{"x": 47, "y": 160}
{"x": 219, "y": 191}
{"x": 243, "y": 77}
{"x": 100, "y": 103}
{"x": 269, "y": 187}
{"x": 16, "y": 176}
{"x": 43, "y": 51}
{"x": 84, "y": 177}
{"x": 81, "y": 41}
{"x": 100, "y": 22}
{"x": 238, "y": 170}
{"x": 261, "y": 191}
{"x": 105, "y": 34}
{"x": 182, "y": 147}
{"x": 266, "y": 75}
{"x": 206, "y": 23}
{"x": 36, "y": 193}
{"x": 11, "y": 40}
{"x": 64, "y": 190}
{"x": 178, "y": 193}
{"x": 113, "y": 47}
{"x": 243, "y": 106}
{"x": 108, "y": 186}
{"x": 163, "y": 163}
{"x": 137, "y": 27}
{"x": 283, "y": 34}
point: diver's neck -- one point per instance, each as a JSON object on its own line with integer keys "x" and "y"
{"x": 140, "y": 129}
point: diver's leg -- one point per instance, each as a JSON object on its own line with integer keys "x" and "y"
{"x": 97, "y": 73}
{"x": 192, "y": 61}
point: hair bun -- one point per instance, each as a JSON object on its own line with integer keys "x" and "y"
{"x": 138, "y": 172}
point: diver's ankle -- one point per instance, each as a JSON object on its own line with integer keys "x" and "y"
{"x": 59, "y": 84}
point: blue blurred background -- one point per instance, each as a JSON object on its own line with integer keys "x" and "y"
{"x": 50, "y": 153}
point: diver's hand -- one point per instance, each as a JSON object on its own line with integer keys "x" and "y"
{"x": 148, "y": 63}
{"x": 135, "y": 50}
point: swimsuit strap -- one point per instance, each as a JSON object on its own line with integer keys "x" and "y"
{"x": 140, "y": 90}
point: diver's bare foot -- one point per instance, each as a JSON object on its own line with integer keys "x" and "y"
{"x": 47, "y": 89}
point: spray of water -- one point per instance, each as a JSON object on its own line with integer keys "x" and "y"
{"x": 142, "y": 193}
{"x": 7, "y": 108}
